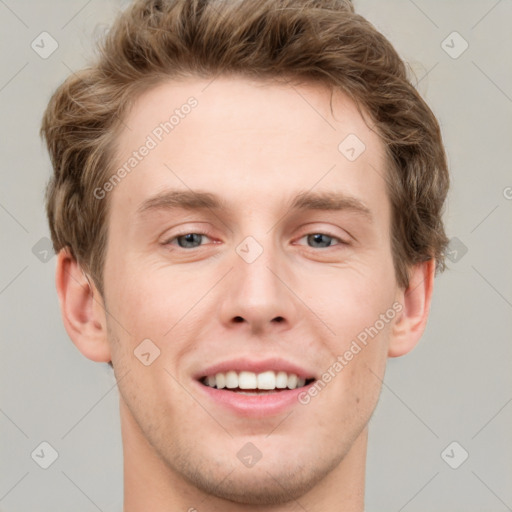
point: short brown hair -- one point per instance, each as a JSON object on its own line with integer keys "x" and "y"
{"x": 321, "y": 41}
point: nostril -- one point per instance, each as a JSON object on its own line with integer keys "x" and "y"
{"x": 277, "y": 319}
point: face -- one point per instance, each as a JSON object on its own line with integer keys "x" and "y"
{"x": 252, "y": 252}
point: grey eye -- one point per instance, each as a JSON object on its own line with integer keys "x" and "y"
{"x": 189, "y": 240}
{"x": 320, "y": 238}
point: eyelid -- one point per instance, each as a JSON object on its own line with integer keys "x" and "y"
{"x": 339, "y": 240}
{"x": 173, "y": 238}
{"x": 312, "y": 230}
{"x": 307, "y": 230}
{"x": 185, "y": 229}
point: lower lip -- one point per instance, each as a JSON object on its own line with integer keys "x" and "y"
{"x": 252, "y": 406}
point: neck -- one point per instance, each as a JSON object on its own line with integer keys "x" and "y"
{"x": 150, "y": 484}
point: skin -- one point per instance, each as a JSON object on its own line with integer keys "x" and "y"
{"x": 256, "y": 145}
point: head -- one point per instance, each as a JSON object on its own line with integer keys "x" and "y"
{"x": 287, "y": 136}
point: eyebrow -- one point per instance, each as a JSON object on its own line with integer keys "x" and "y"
{"x": 185, "y": 199}
{"x": 330, "y": 201}
{"x": 197, "y": 200}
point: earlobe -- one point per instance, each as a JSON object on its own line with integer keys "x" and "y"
{"x": 415, "y": 300}
{"x": 82, "y": 309}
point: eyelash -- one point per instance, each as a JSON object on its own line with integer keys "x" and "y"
{"x": 175, "y": 238}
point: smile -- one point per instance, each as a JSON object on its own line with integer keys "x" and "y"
{"x": 251, "y": 383}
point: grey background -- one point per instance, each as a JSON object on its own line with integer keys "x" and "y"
{"x": 455, "y": 386}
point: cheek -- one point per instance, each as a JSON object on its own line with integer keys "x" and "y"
{"x": 159, "y": 305}
{"x": 149, "y": 302}
{"x": 358, "y": 306}
{"x": 352, "y": 301}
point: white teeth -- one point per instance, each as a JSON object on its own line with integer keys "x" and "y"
{"x": 281, "y": 380}
{"x": 247, "y": 380}
{"x": 267, "y": 380}
{"x": 231, "y": 380}
{"x": 292, "y": 381}
{"x": 220, "y": 381}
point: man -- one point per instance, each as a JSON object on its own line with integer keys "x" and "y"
{"x": 247, "y": 206}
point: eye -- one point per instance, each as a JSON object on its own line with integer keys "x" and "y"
{"x": 187, "y": 241}
{"x": 322, "y": 240}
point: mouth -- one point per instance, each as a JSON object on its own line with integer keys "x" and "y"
{"x": 255, "y": 384}
{"x": 250, "y": 388}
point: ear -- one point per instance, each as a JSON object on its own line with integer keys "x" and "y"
{"x": 416, "y": 300}
{"x": 82, "y": 309}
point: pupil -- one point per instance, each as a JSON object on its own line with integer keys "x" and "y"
{"x": 188, "y": 239}
{"x": 317, "y": 238}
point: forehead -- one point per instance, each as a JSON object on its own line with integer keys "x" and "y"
{"x": 233, "y": 135}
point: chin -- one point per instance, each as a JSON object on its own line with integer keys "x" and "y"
{"x": 280, "y": 476}
{"x": 268, "y": 485}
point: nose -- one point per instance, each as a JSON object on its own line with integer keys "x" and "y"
{"x": 257, "y": 296}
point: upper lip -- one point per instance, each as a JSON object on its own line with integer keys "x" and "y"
{"x": 257, "y": 366}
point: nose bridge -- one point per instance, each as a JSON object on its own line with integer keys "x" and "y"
{"x": 255, "y": 276}
{"x": 252, "y": 269}
{"x": 256, "y": 292}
